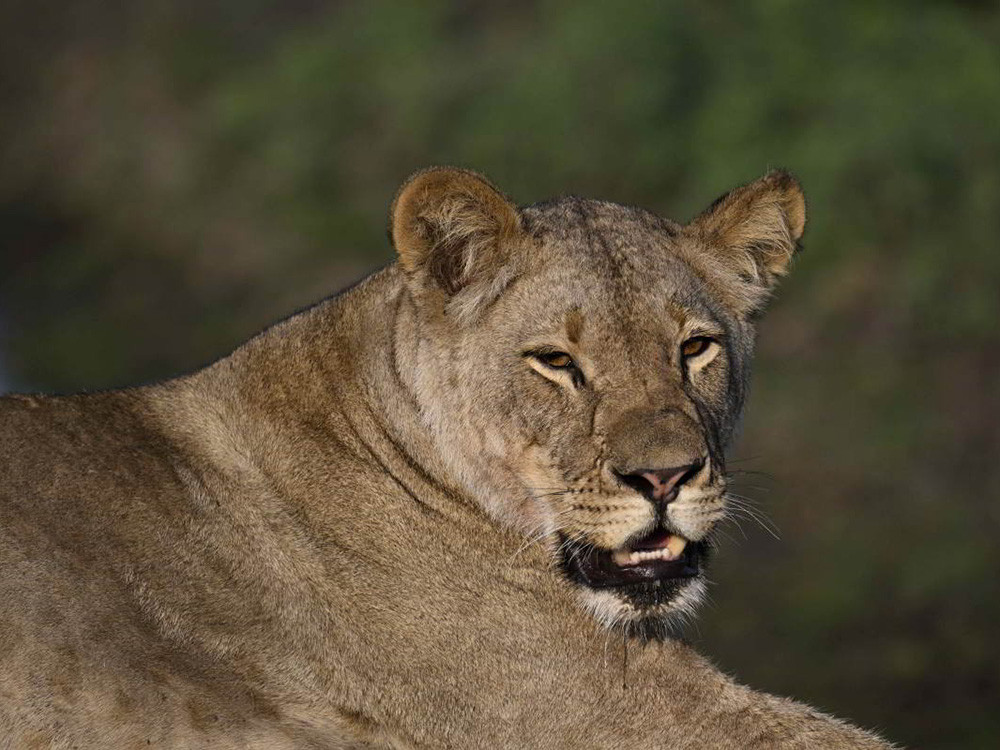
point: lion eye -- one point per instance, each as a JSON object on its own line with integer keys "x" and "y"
{"x": 547, "y": 361}
{"x": 695, "y": 346}
{"x": 558, "y": 360}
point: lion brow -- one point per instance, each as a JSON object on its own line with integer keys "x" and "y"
{"x": 574, "y": 325}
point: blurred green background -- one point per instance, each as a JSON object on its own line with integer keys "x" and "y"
{"x": 176, "y": 175}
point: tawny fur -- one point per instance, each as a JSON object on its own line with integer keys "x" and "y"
{"x": 343, "y": 534}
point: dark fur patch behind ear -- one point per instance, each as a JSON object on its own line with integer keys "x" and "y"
{"x": 451, "y": 226}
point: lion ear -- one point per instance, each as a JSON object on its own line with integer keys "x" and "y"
{"x": 452, "y": 228}
{"x": 752, "y": 232}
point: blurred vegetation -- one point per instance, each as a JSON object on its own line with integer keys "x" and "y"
{"x": 174, "y": 176}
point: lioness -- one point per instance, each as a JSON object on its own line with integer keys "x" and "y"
{"x": 457, "y": 505}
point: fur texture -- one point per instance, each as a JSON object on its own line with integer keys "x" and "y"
{"x": 352, "y": 531}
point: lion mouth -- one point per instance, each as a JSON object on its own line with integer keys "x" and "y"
{"x": 657, "y": 556}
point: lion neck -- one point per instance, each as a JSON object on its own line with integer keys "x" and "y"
{"x": 314, "y": 422}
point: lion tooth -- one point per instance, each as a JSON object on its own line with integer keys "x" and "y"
{"x": 676, "y": 545}
{"x": 622, "y": 557}
{"x": 625, "y": 557}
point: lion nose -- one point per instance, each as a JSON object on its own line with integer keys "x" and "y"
{"x": 662, "y": 486}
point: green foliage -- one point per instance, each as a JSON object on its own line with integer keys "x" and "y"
{"x": 175, "y": 177}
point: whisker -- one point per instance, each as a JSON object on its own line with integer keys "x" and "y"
{"x": 742, "y": 460}
{"x": 726, "y": 535}
{"x": 756, "y": 487}
{"x": 755, "y": 472}
{"x": 741, "y": 506}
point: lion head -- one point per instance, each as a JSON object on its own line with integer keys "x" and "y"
{"x": 582, "y": 366}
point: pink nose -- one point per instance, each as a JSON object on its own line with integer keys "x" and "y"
{"x": 662, "y": 485}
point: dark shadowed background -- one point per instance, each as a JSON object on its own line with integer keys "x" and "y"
{"x": 177, "y": 175}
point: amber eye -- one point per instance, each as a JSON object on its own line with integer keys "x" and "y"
{"x": 695, "y": 346}
{"x": 556, "y": 361}
{"x": 559, "y": 360}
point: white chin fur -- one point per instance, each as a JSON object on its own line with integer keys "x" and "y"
{"x": 611, "y": 610}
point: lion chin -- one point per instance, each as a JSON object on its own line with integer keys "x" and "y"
{"x": 652, "y": 611}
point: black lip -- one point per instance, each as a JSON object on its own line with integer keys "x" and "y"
{"x": 594, "y": 567}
